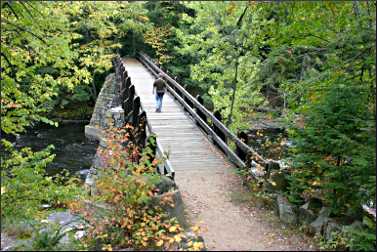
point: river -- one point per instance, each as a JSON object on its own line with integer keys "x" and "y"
{"x": 73, "y": 151}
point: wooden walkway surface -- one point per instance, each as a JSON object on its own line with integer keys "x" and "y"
{"x": 206, "y": 179}
{"x": 187, "y": 146}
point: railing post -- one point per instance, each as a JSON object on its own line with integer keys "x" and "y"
{"x": 135, "y": 111}
{"x": 239, "y": 152}
{"x": 124, "y": 76}
{"x": 142, "y": 129}
{"x": 126, "y": 96}
{"x": 128, "y": 85}
{"x": 122, "y": 95}
{"x": 128, "y": 104}
{"x": 198, "y": 111}
{"x": 186, "y": 99}
{"x": 118, "y": 70}
{"x": 218, "y": 132}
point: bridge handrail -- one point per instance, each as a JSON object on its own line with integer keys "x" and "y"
{"x": 168, "y": 168}
{"x": 245, "y": 148}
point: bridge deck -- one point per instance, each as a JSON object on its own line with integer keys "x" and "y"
{"x": 204, "y": 177}
{"x": 187, "y": 146}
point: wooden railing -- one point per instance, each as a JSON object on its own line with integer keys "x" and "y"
{"x": 135, "y": 115}
{"x": 243, "y": 156}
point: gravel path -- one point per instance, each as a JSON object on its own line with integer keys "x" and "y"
{"x": 229, "y": 225}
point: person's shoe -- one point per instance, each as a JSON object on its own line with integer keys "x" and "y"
{"x": 156, "y": 111}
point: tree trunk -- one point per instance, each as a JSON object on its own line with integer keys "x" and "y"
{"x": 229, "y": 121}
{"x": 133, "y": 44}
{"x": 94, "y": 92}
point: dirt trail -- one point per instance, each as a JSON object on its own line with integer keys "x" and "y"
{"x": 229, "y": 225}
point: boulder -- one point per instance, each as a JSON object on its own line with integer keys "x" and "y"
{"x": 90, "y": 184}
{"x": 82, "y": 174}
{"x": 330, "y": 228}
{"x": 307, "y": 213}
{"x": 317, "y": 226}
{"x": 357, "y": 224}
{"x": 286, "y": 211}
{"x": 63, "y": 218}
{"x": 190, "y": 237}
{"x": 165, "y": 185}
{"x": 93, "y": 133}
{"x": 67, "y": 223}
{"x": 172, "y": 203}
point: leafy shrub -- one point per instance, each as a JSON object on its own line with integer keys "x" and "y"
{"x": 333, "y": 158}
{"x": 126, "y": 213}
{"x": 354, "y": 238}
{"x": 25, "y": 186}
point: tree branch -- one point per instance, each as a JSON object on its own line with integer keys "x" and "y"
{"x": 13, "y": 70}
{"x": 10, "y": 7}
{"x": 25, "y": 30}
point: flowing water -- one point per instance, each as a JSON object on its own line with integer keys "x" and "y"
{"x": 73, "y": 151}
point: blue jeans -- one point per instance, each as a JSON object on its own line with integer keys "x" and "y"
{"x": 159, "y": 97}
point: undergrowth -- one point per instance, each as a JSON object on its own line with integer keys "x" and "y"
{"x": 128, "y": 212}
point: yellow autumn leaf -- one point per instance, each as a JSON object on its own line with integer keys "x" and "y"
{"x": 195, "y": 229}
{"x": 171, "y": 240}
{"x": 197, "y": 245}
{"x": 159, "y": 243}
{"x": 172, "y": 229}
{"x": 177, "y": 238}
{"x": 107, "y": 247}
{"x": 316, "y": 183}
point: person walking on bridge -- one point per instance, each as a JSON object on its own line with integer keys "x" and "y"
{"x": 160, "y": 86}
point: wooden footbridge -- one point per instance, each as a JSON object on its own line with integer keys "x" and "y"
{"x": 189, "y": 136}
{"x": 197, "y": 150}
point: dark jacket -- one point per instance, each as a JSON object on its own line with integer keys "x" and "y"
{"x": 160, "y": 85}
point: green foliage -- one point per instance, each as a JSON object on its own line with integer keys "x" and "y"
{"x": 25, "y": 186}
{"x": 332, "y": 153}
{"x": 47, "y": 240}
{"x": 218, "y": 46}
{"x": 333, "y": 157}
{"x": 132, "y": 215}
{"x": 32, "y": 49}
{"x": 311, "y": 61}
{"x": 58, "y": 53}
{"x": 360, "y": 238}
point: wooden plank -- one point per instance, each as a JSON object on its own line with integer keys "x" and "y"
{"x": 188, "y": 148}
{"x": 196, "y": 104}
